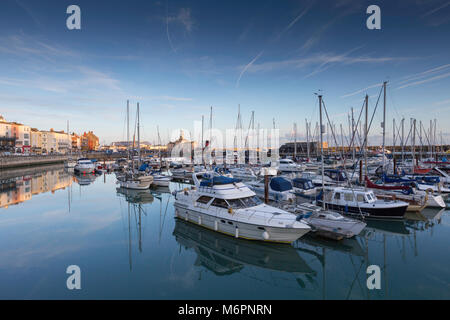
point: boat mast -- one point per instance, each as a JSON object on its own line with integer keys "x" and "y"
{"x": 321, "y": 151}
{"x": 384, "y": 124}
{"x": 139, "y": 135}
{"x": 295, "y": 141}
{"x": 159, "y": 148}
{"x": 128, "y": 130}
{"x": 353, "y": 133}
{"x": 203, "y": 148}
{"x": 307, "y": 139}
{"x": 413, "y": 144}
{"x": 365, "y": 138}
{"x": 210, "y": 133}
{"x": 403, "y": 141}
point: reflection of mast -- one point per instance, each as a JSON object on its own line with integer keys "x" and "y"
{"x": 324, "y": 275}
{"x": 129, "y": 237}
{"x": 140, "y": 228}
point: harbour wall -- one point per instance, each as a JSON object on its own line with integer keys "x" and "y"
{"x": 9, "y": 162}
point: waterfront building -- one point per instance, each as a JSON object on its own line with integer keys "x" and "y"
{"x": 7, "y": 139}
{"x": 56, "y": 141}
{"x": 181, "y": 144}
{"x": 14, "y": 135}
{"x": 76, "y": 142}
{"x": 302, "y": 148}
{"x": 36, "y": 141}
{"x": 89, "y": 142}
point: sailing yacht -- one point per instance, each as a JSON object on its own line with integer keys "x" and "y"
{"x": 228, "y": 206}
{"x": 132, "y": 178}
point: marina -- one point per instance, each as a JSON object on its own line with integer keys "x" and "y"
{"x": 222, "y": 155}
{"x": 134, "y": 243}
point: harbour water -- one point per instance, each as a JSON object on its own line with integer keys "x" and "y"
{"x": 128, "y": 245}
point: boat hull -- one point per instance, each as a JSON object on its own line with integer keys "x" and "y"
{"x": 245, "y": 230}
{"x": 141, "y": 183}
{"x": 369, "y": 212}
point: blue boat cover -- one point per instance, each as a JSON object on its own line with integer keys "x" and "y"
{"x": 280, "y": 184}
{"x": 219, "y": 180}
{"x": 143, "y": 167}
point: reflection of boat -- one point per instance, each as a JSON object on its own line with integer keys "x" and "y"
{"x": 225, "y": 255}
{"x": 432, "y": 213}
{"x": 393, "y": 227}
{"x": 84, "y": 165}
{"x": 85, "y": 179}
{"x": 136, "y": 196}
{"x": 160, "y": 190}
{"x": 351, "y": 245}
{"x": 325, "y": 222}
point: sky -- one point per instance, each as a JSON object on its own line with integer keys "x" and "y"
{"x": 179, "y": 58}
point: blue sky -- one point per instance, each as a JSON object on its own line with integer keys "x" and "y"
{"x": 178, "y": 58}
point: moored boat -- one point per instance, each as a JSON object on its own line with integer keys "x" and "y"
{"x": 228, "y": 206}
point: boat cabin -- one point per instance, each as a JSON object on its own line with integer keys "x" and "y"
{"x": 336, "y": 175}
{"x": 303, "y": 183}
{"x": 348, "y": 196}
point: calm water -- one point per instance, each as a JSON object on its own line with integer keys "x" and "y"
{"x": 131, "y": 247}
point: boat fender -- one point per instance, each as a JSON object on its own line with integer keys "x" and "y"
{"x": 236, "y": 234}
{"x": 200, "y": 220}
{"x": 216, "y": 225}
{"x": 187, "y": 216}
{"x": 230, "y": 210}
{"x": 265, "y": 235}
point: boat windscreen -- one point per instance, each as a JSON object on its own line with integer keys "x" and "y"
{"x": 280, "y": 184}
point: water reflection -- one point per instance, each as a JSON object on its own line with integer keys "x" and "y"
{"x": 84, "y": 179}
{"x": 17, "y": 186}
{"x": 135, "y": 196}
{"x": 136, "y": 233}
{"x": 223, "y": 254}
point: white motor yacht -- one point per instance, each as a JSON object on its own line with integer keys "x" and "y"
{"x": 288, "y": 165}
{"x": 228, "y": 206}
{"x": 84, "y": 165}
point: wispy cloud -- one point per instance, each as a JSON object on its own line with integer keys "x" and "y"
{"x": 295, "y": 20}
{"x": 415, "y": 83}
{"x": 361, "y": 90}
{"x": 29, "y": 12}
{"x": 424, "y": 73}
{"x": 333, "y": 59}
{"x": 318, "y": 59}
{"x": 436, "y": 9}
{"x": 247, "y": 67}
